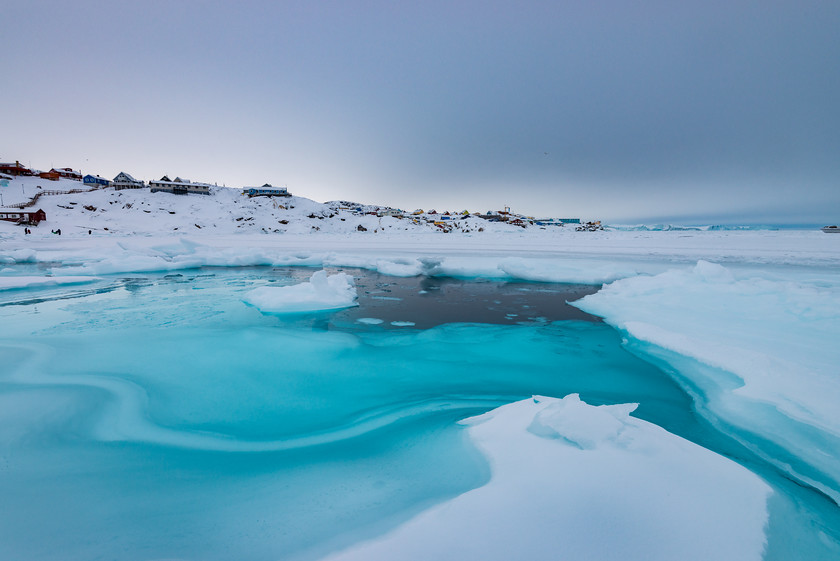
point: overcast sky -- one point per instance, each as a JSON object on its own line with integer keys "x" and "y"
{"x": 627, "y": 111}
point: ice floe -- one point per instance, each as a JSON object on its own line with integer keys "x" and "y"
{"x": 370, "y": 321}
{"x": 778, "y": 338}
{"x": 320, "y": 292}
{"x": 574, "y": 481}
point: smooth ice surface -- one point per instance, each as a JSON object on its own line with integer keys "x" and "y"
{"x": 780, "y": 339}
{"x": 573, "y": 481}
{"x": 158, "y": 416}
{"x": 29, "y": 281}
{"x": 321, "y": 292}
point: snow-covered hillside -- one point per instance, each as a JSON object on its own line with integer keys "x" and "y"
{"x": 224, "y": 211}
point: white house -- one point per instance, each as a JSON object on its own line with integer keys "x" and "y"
{"x": 125, "y": 181}
{"x": 179, "y": 186}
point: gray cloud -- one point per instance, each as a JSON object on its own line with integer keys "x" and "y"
{"x": 613, "y": 109}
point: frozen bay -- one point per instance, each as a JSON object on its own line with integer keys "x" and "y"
{"x": 359, "y": 431}
{"x": 163, "y": 397}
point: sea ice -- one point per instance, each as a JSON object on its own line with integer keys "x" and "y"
{"x": 10, "y": 283}
{"x": 778, "y": 338}
{"x": 321, "y": 292}
{"x": 574, "y": 481}
{"x": 370, "y": 321}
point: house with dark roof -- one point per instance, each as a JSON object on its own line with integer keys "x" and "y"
{"x": 67, "y": 173}
{"x": 178, "y": 186}
{"x": 125, "y": 181}
{"x": 19, "y": 216}
{"x": 15, "y": 169}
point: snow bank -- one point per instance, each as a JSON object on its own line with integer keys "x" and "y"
{"x": 11, "y": 283}
{"x": 565, "y": 270}
{"x": 573, "y": 481}
{"x": 321, "y": 292}
{"x": 123, "y": 255}
{"x": 778, "y": 338}
{"x": 539, "y": 268}
{"x": 24, "y": 255}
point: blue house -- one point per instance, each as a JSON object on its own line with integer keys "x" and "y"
{"x": 266, "y": 191}
{"x": 94, "y": 180}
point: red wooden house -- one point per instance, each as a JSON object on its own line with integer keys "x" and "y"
{"x": 15, "y": 169}
{"x": 19, "y": 216}
{"x": 68, "y": 173}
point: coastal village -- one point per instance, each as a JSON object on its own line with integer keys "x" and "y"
{"x": 28, "y": 213}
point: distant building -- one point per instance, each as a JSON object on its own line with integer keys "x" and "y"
{"x": 125, "y": 181}
{"x": 266, "y": 191}
{"x": 391, "y": 212}
{"x": 95, "y": 180}
{"x": 52, "y": 175}
{"x": 179, "y": 186}
{"x": 67, "y": 173}
{"x": 15, "y": 169}
{"x": 22, "y": 216}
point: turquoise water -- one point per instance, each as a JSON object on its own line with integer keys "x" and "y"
{"x": 158, "y": 416}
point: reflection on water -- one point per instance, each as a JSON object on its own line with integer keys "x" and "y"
{"x": 427, "y": 302}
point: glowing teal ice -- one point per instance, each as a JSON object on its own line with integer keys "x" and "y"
{"x": 162, "y": 417}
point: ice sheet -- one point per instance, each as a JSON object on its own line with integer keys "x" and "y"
{"x": 28, "y": 281}
{"x": 779, "y": 339}
{"x": 573, "y": 481}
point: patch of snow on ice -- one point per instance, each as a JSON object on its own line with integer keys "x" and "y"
{"x": 583, "y": 425}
